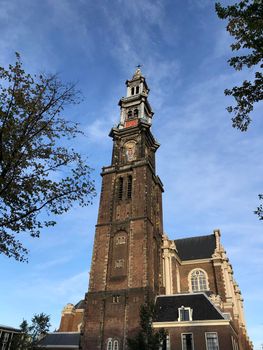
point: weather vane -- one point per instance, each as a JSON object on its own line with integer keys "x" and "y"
{"x": 139, "y": 66}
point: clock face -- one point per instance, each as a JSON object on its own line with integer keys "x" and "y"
{"x": 130, "y": 150}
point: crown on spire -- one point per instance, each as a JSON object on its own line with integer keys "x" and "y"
{"x": 137, "y": 73}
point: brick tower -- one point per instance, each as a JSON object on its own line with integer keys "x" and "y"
{"x": 126, "y": 262}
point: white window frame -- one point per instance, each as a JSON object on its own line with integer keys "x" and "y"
{"x": 234, "y": 343}
{"x": 206, "y": 336}
{"x": 227, "y": 316}
{"x": 116, "y": 300}
{"x": 193, "y": 346}
{"x": 109, "y": 344}
{"x": 185, "y": 309}
{"x": 190, "y": 281}
{"x": 115, "y": 341}
{"x": 6, "y": 337}
{"x": 168, "y": 343}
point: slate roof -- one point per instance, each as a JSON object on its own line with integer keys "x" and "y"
{"x": 59, "y": 340}
{"x": 9, "y": 329}
{"x": 80, "y": 305}
{"x": 167, "y": 307}
{"x": 192, "y": 248}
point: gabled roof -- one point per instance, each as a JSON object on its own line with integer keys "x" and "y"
{"x": 201, "y": 247}
{"x": 167, "y": 307}
{"x": 60, "y": 340}
{"x": 80, "y": 305}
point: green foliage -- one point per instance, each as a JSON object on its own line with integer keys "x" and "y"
{"x": 245, "y": 24}
{"x": 22, "y": 341}
{"x": 259, "y": 211}
{"x": 31, "y": 333}
{"x": 39, "y": 326}
{"x": 147, "y": 338}
{"x": 36, "y": 172}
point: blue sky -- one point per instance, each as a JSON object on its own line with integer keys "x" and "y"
{"x": 212, "y": 173}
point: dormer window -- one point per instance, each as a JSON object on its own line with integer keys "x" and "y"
{"x": 137, "y": 89}
{"x": 185, "y": 314}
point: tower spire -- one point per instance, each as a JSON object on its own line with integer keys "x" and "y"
{"x": 127, "y": 264}
{"x": 135, "y": 105}
{"x": 138, "y": 72}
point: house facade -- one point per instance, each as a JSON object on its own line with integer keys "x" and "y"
{"x": 9, "y": 337}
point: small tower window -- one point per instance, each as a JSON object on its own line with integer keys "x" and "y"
{"x": 115, "y": 345}
{"x": 109, "y": 344}
{"x": 115, "y": 299}
{"x": 120, "y": 240}
{"x": 136, "y": 113}
{"x": 129, "y": 114}
{"x": 132, "y": 90}
{"x": 129, "y": 187}
{"x": 137, "y": 89}
{"x": 120, "y": 188}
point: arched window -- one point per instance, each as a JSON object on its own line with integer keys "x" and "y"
{"x": 115, "y": 345}
{"x": 137, "y": 89}
{"x": 198, "y": 280}
{"x": 136, "y": 113}
{"x": 129, "y": 187}
{"x": 132, "y": 90}
{"x": 120, "y": 188}
{"x": 129, "y": 114}
{"x": 109, "y": 344}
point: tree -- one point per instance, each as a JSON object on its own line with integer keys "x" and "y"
{"x": 40, "y": 326}
{"x": 259, "y": 210}
{"x": 147, "y": 338}
{"x": 31, "y": 334}
{"x": 245, "y": 24}
{"x": 22, "y": 341}
{"x": 37, "y": 172}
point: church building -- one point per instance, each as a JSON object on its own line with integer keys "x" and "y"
{"x": 197, "y": 300}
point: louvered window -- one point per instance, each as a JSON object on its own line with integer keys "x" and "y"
{"x": 120, "y": 188}
{"x": 129, "y": 187}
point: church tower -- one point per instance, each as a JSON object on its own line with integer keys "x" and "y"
{"x": 126, "y": 262}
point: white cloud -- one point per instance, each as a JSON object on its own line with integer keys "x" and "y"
{"x": 71, "y": 288}
{"x": 97, "y": 130}
{"x": 53, "y": 263}
{"x": 223, "y": 41}
{"x": 198, "y": 3}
